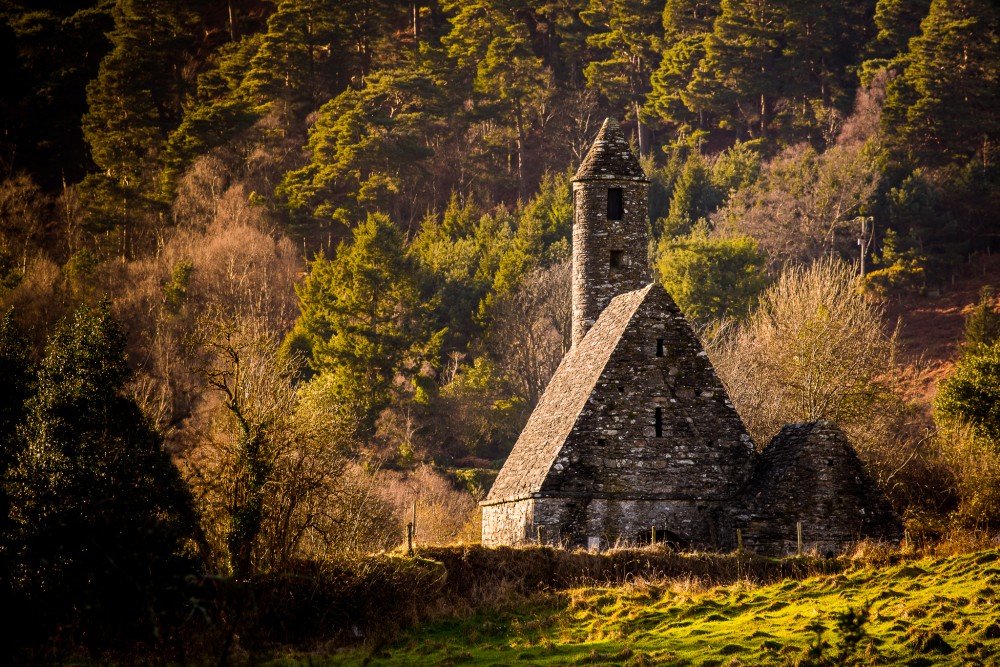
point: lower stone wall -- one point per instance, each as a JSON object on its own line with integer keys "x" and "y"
{"x": 508, "y": 523}
{"x": 586, "y": 522}
{"x": 605, "y": 523}
{"x": 780, "y": 538}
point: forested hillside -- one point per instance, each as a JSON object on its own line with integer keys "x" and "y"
{"x": 301, "y": 264}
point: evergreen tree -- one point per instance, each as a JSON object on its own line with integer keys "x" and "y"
{"x": 101, "y": 512}
{"x": 971, "y": 395}
{"x": 625, "y": 39}
{"x": 358, "y": 317}
{"x": 945, "y": 107}
{"x": 303, "y": 57}
{"x": 821, "y": 46}
{"x": 694, "y": 198}
{"x": 17, "y": 371}
{"x": 491, "y": 43}
{"x": 711, "y": 278}
{"x": 136, "y": 96}
{"x": 217, "y": 113}
{"x": 368, "y": 149}
{"x": 897, "y": 21}
{"x": 54, "y": 51}
{"x": 686, "y": 26}
{"x": 982, "y": 325}
{"x": 737, "y": 81}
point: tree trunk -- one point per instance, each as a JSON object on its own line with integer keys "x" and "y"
{"x": 764, "y": 113}
{"x": 233, "y": 33}
{"x": 520, "y": 149}
{"x": 641, "y": 131}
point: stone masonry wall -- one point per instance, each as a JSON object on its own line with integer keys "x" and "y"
{"x": 595, "y": 282}
{"x": 702, "y": 455}
{"x": 572, "y": 522}
{"x": 508, "y": 523}
{"x": 809, "y": 473}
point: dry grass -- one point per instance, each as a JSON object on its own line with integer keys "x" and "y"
{"x": 445, "y": 514}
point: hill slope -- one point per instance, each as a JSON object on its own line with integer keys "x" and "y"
{"x": 926, "y": 612}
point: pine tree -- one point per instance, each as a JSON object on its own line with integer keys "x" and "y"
{"x": 982, "y": 325}
{"x": 897, "y": 22}
{"x": 737, "y": 81}
{"x": 625, "y": 40}
{"x": 54, "y": 51}
{"x": 686, "y": 26}
{"x": 694, "y": 198}
{"x": 945, "y": 107}
{"x": 302, "y": 58}
{"x": 136, "y": 96}
{"x": 357, "y": 317}
{"x": 368, "y": 149}
{"x": 489, "y": 41}
{"x": 821, "y": 43}
{"x": 217, "y": 113}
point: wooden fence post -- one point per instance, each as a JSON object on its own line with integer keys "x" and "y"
{"x": 739, "y": 541}
{"x": 413, "y": 521}
{"x": 798, "y": 530}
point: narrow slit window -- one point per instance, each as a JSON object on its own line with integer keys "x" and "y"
{"x": 658, "y": 422}
{"x": 615, "y": 207}
{"x": 659, "y": 347}
{"x": 617, "y": 260}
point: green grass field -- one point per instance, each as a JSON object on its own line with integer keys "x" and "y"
{"x": 941, "y": 611}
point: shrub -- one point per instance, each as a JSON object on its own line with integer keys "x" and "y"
{"x": 712, "y": 278}
{"x": 102, "y": 516}
{"x": 972, "y": 394}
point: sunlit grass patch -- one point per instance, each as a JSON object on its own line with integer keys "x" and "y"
{"x": 866, "y": 615}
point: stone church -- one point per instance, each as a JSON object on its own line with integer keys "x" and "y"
{"x": 635, "y": 436}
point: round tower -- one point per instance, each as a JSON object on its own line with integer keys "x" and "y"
{"x": 610, "y": 227}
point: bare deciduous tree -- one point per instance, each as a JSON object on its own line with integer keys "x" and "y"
{"x": 24, "y": 219}
{"x": 531, "y": 330}
{"x": 236, "y": 471}
{"x": 271, "y": 470}
{"x": 803, "y": 205}
{"x": 817, "y": 348}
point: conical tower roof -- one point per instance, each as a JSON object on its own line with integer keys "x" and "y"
{"x": 610, "y": 157}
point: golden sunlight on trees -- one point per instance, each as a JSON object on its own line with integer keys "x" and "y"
{"x": 816, "y": 348}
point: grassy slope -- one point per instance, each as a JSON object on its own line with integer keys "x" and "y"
{"x": 931, "y": 611}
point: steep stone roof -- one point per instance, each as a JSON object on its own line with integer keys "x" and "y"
{"x": 634, "y": 410}
{"x": 610, "y": 157}
{"x": 564, "y": 398}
